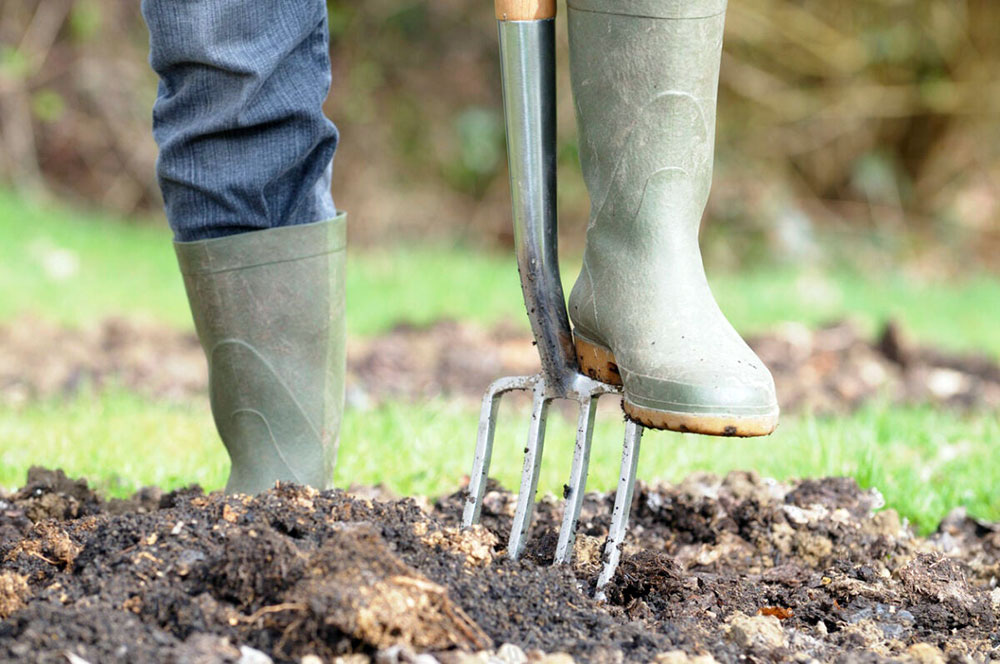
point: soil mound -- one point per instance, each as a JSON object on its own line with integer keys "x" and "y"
{"x": 727, "y": 570}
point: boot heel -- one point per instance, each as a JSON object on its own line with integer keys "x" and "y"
{"x": 597, "y": 361}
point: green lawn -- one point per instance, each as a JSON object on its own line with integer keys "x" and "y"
{"x": 924, "y": 462}
{"x": 75, "y": 267}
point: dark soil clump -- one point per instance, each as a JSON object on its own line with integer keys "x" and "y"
{"x": 728, "y": 570}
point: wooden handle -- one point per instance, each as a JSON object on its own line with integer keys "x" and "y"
{"x": 525, "y": 10}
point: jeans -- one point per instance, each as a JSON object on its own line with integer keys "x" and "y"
{"x": 238, "y": 118}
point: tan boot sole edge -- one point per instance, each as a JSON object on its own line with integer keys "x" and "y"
{"x": 599, "y": 363}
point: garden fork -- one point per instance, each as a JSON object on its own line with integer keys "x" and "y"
{"x": 527, "y": 56}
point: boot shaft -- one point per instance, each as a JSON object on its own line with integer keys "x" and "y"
{"x": 645, "y": 77}
{"x": 268, "y": 308}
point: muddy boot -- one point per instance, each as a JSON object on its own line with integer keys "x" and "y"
{"x": 269, "y": 310}
{"x": 645, "y": 78}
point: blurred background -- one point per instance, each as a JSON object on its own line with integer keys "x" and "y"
{"x": 854, "y": 226}
{"x": 870, "y": 117}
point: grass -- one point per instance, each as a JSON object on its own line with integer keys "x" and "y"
{"x": 75, "y": 267}
{"x": 925, "y": 462}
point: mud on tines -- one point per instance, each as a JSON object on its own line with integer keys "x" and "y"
{"x": 732, "y": 570}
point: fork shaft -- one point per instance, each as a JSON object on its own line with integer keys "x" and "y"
{"x": 527, "y": 64}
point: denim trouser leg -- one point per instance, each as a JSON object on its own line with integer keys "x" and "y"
{"x": 244, "y": 144}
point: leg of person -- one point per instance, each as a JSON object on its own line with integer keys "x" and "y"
{"x": 645, "y": 79}
{"x": 245, "y": 164}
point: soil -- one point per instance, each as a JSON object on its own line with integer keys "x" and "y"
{"x": 727, "y": 570}
{"x": 834, "y": 369}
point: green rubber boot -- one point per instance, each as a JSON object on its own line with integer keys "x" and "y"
{"x": 645, "y": 77}
{"x": 269, "y": 310}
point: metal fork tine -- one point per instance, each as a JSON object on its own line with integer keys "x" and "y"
{"x": 529, "y": 475}
{"x": 484, "y": 441}
{"x": 484, "y": 452}
{"x": 577, "y": 480}
{"x": 623, "y": 504}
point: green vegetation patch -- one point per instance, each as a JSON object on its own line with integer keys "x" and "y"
{"x": 925, "y": 462}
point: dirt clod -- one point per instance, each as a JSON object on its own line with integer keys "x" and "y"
{"x": 13, "y": 591}
{"x": 681, "y": 657}
{"x": 925, "y": 653}
{"x": 749, "y": 632}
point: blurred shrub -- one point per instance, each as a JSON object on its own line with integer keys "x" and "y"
{"x": 882, "y": 114}
{"x": 75, "y": 97}
{"x": 867, "y": 115}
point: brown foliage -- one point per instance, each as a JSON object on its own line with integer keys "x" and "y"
{"x": 880, "y": 113}
{"x": 75, "y": 99}
{"x": 884, "y": 111}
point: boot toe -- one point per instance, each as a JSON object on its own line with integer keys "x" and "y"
{"x": 704, "y": 401}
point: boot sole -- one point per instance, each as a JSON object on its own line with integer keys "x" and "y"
{"x": 599, "y": 363}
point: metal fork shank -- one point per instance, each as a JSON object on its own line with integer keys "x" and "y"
{"x": 527, "y": 61}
